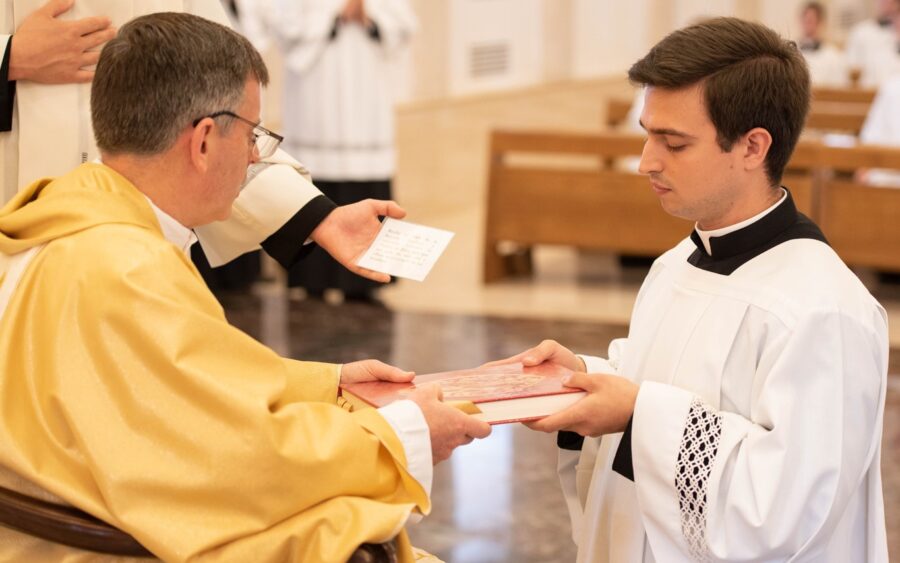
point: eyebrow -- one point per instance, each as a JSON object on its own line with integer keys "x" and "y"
{"x": 666, "y": 131}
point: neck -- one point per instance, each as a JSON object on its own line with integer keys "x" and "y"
{"x": 757, "y": 200}
{"x": 154, "y": 177}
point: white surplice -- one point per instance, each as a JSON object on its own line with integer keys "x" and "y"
{"x": 872, "y": 48}
{"x": 756, "y": 434}
{"x": 882, "y": 127}
{"x": 338, "y": 103}
{"x": 828, "y": 66}
{"x": 52, "y": 134}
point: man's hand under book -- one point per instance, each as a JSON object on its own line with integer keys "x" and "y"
{"x": 449, "y": 427}
{"x": 547, "y": 351}
{"x": 373, "y": 370}
{"x": 606, "y": 408}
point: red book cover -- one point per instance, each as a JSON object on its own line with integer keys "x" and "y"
{"x": 502, "y": 393}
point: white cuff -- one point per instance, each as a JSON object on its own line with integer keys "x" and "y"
{"x": 593, "y": 364}
{"x": 408, "y": 422}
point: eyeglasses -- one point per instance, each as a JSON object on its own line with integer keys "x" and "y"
{"x": 264, "y": 141}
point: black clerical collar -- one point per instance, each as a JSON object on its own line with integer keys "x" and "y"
{"x": 731, "y": 251}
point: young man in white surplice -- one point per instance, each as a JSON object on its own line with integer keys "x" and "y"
{"x": 741, "y": 418}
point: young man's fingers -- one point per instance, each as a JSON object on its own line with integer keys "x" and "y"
{"x": 555, "y": 422}
{"x": 581, "y": 381}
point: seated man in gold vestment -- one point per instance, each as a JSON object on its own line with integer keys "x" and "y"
{"x": 125, "y": 391}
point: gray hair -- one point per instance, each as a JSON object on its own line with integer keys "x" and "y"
{"x": 163, "y": 71}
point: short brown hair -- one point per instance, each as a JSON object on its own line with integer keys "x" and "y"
{"x": 161, "y": 72}
{"x": 751, "y": 78}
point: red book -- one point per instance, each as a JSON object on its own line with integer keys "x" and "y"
{"x": 497, "y": 394}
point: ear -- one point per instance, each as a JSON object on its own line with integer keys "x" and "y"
{"x": 756, "y": 144}
{"x": 200, "y": 139}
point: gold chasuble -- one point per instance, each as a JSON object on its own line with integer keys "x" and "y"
{"x": 127, "y": 394}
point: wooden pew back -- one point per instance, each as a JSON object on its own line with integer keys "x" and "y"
{"x": 861, "y": 222}
{"x": 585, "y": 203}
{"x": 564, "y": 188}
{"x": 843, "y": 95}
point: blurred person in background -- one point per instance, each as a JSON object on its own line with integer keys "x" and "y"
{"x": 882, "y": 127}
{"x": 49, "y": 48}
{"x": 873, "y": 43}
{"x": 827, "y": 64}
{"x": 338, "y": 105}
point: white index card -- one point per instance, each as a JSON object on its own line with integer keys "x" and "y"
{"x": 405, "y": 250}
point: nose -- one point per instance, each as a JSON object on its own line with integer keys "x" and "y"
{"x": 254, "y": 154}
{"x": 650, "y": 161}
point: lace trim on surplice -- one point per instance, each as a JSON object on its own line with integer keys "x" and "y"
{"x": 699, "y": 446}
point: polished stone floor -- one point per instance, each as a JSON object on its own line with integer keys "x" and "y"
{"x": 496, "y": 500}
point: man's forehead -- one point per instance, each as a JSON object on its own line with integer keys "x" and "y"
{"x": 669, "y": 111}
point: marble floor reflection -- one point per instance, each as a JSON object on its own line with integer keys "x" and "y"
{"x": 496, "y": 500}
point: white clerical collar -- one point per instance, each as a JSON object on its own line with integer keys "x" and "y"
{"x": 175, "y": 232}
{"x": 706, "y": 235}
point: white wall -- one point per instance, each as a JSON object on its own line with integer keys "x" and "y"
{"x": 689, "y": 11}
{"x": 551, "y": 40}
{"x": 608, "y": 36}
{"x": 517, "y": 24}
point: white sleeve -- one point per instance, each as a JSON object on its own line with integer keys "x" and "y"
{"x": 609, "y": 364}
{"x": 713, "y": 485}
{"x": 278, "y": 190}
{"x": 408, "y": 422}
{"x": 882, "y": 126}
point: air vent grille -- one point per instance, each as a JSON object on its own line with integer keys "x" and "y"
{"x": 489, "y": 59}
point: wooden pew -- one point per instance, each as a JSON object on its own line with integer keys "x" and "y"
{"x": 862, "y": 223}
{"x": 836, "y": 116}
{"x": 863, "y": 96}
{"x": 799, "y": 176}
{"x": 617, "y": 112}
{"x": 559, "y": 188}
{"x": 566, "y": 195}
